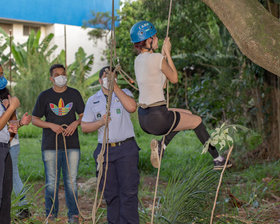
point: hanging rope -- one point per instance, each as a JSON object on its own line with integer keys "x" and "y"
{"x": 55, "y": 182}
{"x": 163, "y": 139}
{"x": 114, "y": 59}
{"x": 219, "y": 185}
{"x": 69, "y": 172}
{"x": 126, "y": 77}
{"x": 100, "y": 159}
{"x": 167, "y": 33}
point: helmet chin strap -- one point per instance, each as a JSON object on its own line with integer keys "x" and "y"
{"x": 151, "y": 45}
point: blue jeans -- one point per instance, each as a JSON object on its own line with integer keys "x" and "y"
{"x": 17, "y": 183}
{"x": 49, "y": 159}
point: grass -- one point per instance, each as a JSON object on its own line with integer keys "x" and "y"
{"x": 256, "y": 186}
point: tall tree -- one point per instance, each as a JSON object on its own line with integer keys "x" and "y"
{"x": 271, "y": 104}
{"x": 253, "y": 28}
{"x": 224, "y": 85}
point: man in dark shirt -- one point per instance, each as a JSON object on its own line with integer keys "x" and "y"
{"x": 59, "y": 106}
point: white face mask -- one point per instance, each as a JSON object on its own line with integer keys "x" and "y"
{"x": 105, "y": 82}
{"x": 60, "y": 81}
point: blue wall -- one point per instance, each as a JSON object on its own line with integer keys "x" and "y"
{"x": 71, "y": 12}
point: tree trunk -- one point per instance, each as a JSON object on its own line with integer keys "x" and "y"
{"x": 272, "y": 129}
{"x": 254, "y": 29}
{"x": 256, "y": 94}
{"x": 271, "y": 126}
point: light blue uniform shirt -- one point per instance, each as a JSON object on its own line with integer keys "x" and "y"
{"x": 120, "y": 126}
{"x": 4, "y": 133}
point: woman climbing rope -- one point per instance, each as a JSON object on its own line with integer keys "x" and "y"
{"x": 152, "y": 70}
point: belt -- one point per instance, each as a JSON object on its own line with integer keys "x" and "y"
{"x": 145, "y": 106}
{"x": 114, "y": 144}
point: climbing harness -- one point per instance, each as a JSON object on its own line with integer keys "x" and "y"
{"x": 145, "y": 106}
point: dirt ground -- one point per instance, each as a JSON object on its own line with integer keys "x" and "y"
{"x": 269, "y": 215}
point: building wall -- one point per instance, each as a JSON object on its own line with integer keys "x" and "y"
{"x": 50, "y": 16}
{"x": 71, "y": 12}
{"x": 75, "y": 37}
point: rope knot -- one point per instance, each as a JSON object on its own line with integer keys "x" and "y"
{"x": 118, "y": 68}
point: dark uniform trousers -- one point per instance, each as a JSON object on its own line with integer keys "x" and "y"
{"x": 6, "y": 183}
{"x": 121, "y": 190}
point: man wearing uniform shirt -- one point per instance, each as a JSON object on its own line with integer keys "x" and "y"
{"x": 121, "y": 190}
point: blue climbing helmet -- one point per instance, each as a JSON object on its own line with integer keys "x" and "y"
{"x": 142, "y": 31}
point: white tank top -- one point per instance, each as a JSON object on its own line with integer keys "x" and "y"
{"x": 150, "y": 78}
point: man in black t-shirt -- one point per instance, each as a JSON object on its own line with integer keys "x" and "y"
{"x": 59, "y": 106}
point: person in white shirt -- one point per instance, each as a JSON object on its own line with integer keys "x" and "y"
{"x": 122, "y": 180}
{"x": 152, "y": 70}
{"x": 6, "y": 169}
{"x": 14, "y": 152}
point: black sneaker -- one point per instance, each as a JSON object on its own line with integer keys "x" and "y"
{"x": 219, "y": 165}
{"x": 155, "y": 152}
{"x": 24, "y": 213}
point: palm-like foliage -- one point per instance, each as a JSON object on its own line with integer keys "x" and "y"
{"x": 32, "y": 66}
{"x": 186, "y": 197}
{"x": 79, "y": 70}
{"x": 32, "y": 61}
{"x": 4, "y": 40}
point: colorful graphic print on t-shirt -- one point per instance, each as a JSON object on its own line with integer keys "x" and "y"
{"x": 60, "y": 109}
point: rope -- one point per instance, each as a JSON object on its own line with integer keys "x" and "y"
{"x": 69, "y": 172}
{"x": 160, "y": 157}
{"x": 117, "y": 66}
{"x": 55, "y": 183}
{"x": 100, "y": 158}
{"x": 162, "y": 143}
{"x": 219, "y": 185}
{"x": 168, "y": 21}
{"x": 125, "y": 75}
{"x": 130, "y": 81}
{"x": 110, "y": 77}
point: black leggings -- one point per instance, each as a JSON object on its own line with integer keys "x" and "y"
{"x": 158, "y": 121}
